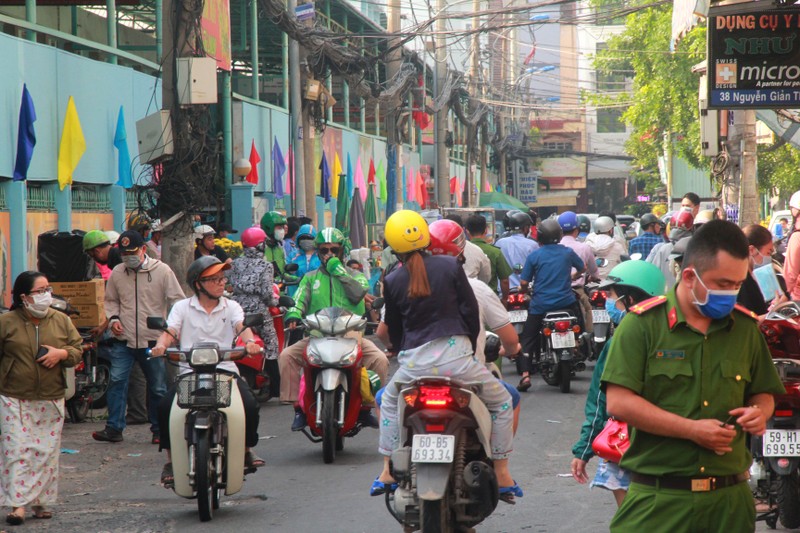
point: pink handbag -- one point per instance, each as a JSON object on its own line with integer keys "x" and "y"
{"x": 613, "y": 441}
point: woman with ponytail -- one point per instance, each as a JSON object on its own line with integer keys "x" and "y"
{"x": 432, "y": 322}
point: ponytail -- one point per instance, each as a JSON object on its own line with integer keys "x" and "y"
{"x": 418, "y": 286}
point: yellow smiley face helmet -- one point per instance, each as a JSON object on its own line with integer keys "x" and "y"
{"x": 407, "y": 231}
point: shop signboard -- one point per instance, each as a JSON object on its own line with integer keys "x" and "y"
{"x": 528, "y": 183}
{"x": 754, "y": 58}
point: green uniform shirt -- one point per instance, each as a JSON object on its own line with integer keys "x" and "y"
{"x": 318, "y": 289}
{"x": 277, "y": 255}
{"x": 657, "y": 355}
{"x": 500, "y": 268}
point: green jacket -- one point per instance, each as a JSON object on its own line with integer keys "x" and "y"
{"x": 277, "y": 256}
{"x": 318, "y": 289}
{"x": 595, "y": 411}
{"x": 21, "y": 376}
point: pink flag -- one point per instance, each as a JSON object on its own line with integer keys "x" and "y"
{"x": 411, "y": 185}
{"x": 290, "y": 175}
{"x": 486, "y": 186}
{"x": 362, "y": 186}
{"x": 422, "y": 194}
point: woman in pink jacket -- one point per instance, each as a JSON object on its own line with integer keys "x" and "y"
{"x": 791, "y": 265}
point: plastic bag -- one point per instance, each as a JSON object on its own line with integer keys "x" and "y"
{"x": 60, "y": 256}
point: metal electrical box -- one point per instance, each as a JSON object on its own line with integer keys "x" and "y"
{"x": 154, "y": 134}
{"x": 197, "y": 80}
{"x": 709, "y": 122}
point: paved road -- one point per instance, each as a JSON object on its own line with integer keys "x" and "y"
{"x": 113, "y": 487}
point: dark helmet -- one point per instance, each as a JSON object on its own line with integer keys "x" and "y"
{"x": 584, "y": 224}
{"x": 517, "y": 221}
{"x": 549, "y": 232}
{"x": 648, "y": 220}
{"x": 200, "y": 265}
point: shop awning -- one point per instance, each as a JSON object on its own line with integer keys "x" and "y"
{"x": 686, "y": 14}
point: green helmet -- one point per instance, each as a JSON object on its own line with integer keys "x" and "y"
{"x": 94, "y": 238}
{"x": 333, "y": 235}
{"x": 270, "y": 220}
{"x": 645, "y": 277}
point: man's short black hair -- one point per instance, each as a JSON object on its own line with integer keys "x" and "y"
{"x": 292, "y": 227}
{"x": 476, "y": 225}
{"x": 609, "y": 214}
{"x": 455, "y": 218}
{"x": 692, "y": 197}
{"x": 711, "y": 238}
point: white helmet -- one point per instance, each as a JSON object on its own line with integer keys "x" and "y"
{"x": 112, "y": 235}
{"x": 603, "y": 224}
{"x": 202, "y": 231}
{"x": 706, "y": 215}
{"x": 794, "y": 201}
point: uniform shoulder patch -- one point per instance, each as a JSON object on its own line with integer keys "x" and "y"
{"x": 742, "y": 309}
{"x": 647, "y": 305}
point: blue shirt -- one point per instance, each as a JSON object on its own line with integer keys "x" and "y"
{"x": 516, "y": 248}
{"x": 551, "y": 269}
{"x": 644, "y": 243}
{"x": 305, "y": 265}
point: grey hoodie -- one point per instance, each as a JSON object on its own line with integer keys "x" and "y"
{"x": 133, "y": 295}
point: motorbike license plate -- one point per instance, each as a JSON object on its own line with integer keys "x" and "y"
{"x": 563, "y": 340}
{"x": 600, "y": 316}
{"x": 519, "y": 315}
{"x": 781, "y": 443}
{"x": 433, "y": 448}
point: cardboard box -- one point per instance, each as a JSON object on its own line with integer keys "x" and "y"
{"x": 81, "y": 292}
{"x": 91, "y": 315}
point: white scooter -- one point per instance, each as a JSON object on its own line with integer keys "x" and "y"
{"x": 208, "y": 415}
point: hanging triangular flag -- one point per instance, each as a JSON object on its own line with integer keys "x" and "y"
{"x": 72, "y": 147}
{"x": 371, "y": 172}
{"x": 26, "y": 136}
{"x": 124, "y": 177}
{"x": 411, "y": 182}
{"x": 380, "y": 174}
{"x": 350, "y": 178}
{"x": 255, "y": 159}
{"x": 359, "y": 181}
{"x": 325, "y": 179}
{"x": 337, "y": 171}
{"x": 278, "y": 168}
{"x": 289, "y": 160}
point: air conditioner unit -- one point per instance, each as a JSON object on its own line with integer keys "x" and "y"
{"x": 154, "y": 134}
{"x": 709, "y": 122}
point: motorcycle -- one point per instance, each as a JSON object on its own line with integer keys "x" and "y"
{"x": 208, "y": 415}
{"x": 559, "y": 354}
{"x": 603, "y": 327}
{"x": 775, "y": 471}
{"x": 518, "y": 303}
{"x": 259, "y": 372}
{"x": 445, "y": 478}
{"x": 331, "y": 395}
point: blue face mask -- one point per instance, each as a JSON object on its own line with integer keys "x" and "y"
{"x": 613, "y": 312}
{"x": 718, "y": 304}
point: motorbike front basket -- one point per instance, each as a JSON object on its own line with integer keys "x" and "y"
{"x": 204, "y": 391}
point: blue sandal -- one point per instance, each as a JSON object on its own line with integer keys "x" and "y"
{"x": 507, "y": 494}
{"x": 379, "y": 487}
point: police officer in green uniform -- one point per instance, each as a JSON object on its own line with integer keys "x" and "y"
{"x": 691, "y": 374}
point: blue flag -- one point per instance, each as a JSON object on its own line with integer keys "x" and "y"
{"x": 325, "y": 185}
{"x": 26, "y": 139}
{"x": 278, "y": 168}
{"x": 350, "y": 185}
{"x": 121, "y": 143}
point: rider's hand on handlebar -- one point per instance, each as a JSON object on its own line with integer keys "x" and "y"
{"x": 158, "y": 350}
{"x": 251, "y": 348}
{"x": 292, "y": 323}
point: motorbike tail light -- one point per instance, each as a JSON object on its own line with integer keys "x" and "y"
{"x": 562, "y": 325}
{"x": 435, "y": 397}
{"x": 410, "y": 396}
{"x": 547, "y": 332}
{"x": 434, "y": 428}
{"x": 598, "y": 298}
{"x": 80, "y": 366}
{"x": 576, "y": 328}
{"x": 461, "y": 397}
{"x": 783, "y": 462}
{"x": 784, "y": 413}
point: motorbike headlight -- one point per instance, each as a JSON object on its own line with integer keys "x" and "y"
{"x": 204, "y": 356}
{"x": 349, "y": 359}
{"x": 313, "y": 357}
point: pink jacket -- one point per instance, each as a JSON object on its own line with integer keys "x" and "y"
{"x": 791, "y": 266}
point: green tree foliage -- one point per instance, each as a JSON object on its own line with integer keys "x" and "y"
{"x": 664, "y": 97}
{"x": 779, "y": 169}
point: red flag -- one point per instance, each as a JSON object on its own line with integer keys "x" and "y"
{"x": 371, "y": 174}
{"x": 454, "y": 185}
{"x": 255, "y": 159}
{"x": 422, "y": 195}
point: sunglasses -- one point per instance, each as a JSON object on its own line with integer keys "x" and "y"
{"x": 325, "y": 250}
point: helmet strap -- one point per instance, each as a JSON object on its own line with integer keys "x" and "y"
{"x": 202, "y": 290}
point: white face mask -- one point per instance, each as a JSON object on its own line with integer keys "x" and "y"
{"x": 280, "y": 234}
{"x": 132, "y": 261}
{"x": 41, "y": 303}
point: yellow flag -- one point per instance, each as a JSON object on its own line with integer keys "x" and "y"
{"x": 72, "y": 147}
{"x": 337, "y": 169}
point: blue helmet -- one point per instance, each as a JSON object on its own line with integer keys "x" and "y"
{"x": 306, "y": 230}
{"x": 568, "y": 221}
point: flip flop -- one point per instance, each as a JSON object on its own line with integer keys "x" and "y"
{"x": 507, "y": 494}
{"x": 14, "y": 519}
{"x": 524, "y": 384}
{"x": 251, "y": 460}
{"x": 379, "y": 487}
{"x": 167, "y": 477}
{"x": 41, "y": 513}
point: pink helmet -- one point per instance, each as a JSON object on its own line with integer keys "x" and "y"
{"x": 252, "y": 237}
{"x": 447, "y": 238}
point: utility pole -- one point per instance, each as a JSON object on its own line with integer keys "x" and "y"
{"x": 393, "y": 63}
{"x": 440, "y": 119}
{"x": 748, "y": 189}
{"x": 475, "y": 64}
{"x": 296, "y": 121}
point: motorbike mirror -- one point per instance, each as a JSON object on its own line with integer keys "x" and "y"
{"x": 492, "y": 348}
{"x": 156, "y": 322}
{"x": 377, "y": 303}
{"x": 624, "y": 257}
{"x": 636, "y": 256}
{"x": 251, "y": 320}
{"x": 517, "y": 269}
{"x": 291, "y": 268}
{"x": 601, "y": 261}
{"x": 286, "y": 301}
